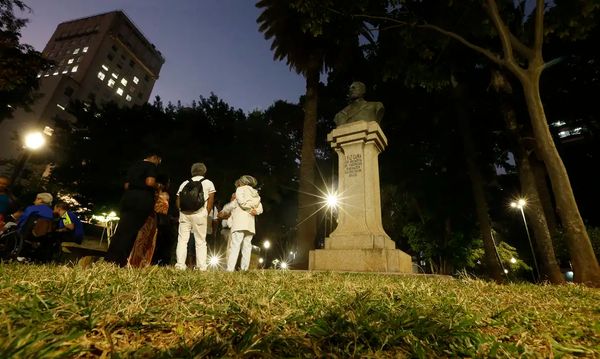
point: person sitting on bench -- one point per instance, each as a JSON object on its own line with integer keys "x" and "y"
{"x": 69, "y": 228}
{"x": 41, "y": 207}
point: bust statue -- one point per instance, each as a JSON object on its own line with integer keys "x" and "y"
{"x": 359, "y": 109}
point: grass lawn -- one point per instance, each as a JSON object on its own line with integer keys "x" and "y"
{"x": 63, "y": 311}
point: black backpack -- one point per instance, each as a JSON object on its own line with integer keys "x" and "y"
{"x": 191, "y": 197}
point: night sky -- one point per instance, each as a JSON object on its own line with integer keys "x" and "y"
{"x": 209, "y": 45}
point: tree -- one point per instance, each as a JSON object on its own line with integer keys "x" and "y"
{"x": 527, "y": 64}
{"x": 19, "y": 63}
{"x": 308, "y": 47}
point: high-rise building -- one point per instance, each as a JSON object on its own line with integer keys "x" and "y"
{"x": 99, "y": 58}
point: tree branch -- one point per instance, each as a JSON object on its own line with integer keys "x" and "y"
{"x": 539, "y": 26}
{"x": 503, "y": 31}
{"x": 521, "y": 48}
{"x": 398, "y": 23}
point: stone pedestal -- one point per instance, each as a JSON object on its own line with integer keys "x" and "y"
{"x": 359, "y": 242}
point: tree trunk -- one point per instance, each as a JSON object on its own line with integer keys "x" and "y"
{"x": 477, "y": 187}
{"x": 307, "y": 221}
{"x": 585, "y": 264}
{"x": 539, "y": 172}
{"x": 535, "y": 213}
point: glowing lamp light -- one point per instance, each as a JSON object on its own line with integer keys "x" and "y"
{"x": 513, "y": 260}
{"x": 283, "y": 265}
{"x": 520, "y": 203}
{"x": 506, "y": 271}
{"x": 214, "y": 261}
{"x": 332, "y": 200}
{"x": 34, "y": 140}
{"x": 266, "y": 244}
{"x": 261, "y": 260}
{"x": 569, "y": 276}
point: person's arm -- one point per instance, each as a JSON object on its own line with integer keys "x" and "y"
{"x": 258, "y": 210}
{"x": 210, "y": 201}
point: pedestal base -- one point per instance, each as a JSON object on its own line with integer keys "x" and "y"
{"x": 360, "y": 260}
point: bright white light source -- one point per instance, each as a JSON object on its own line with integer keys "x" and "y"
{"x": 513, "y": 260}
{"x": 261, "y": 260}
{"x": 332, "y": 200}
{"x": 266, "y": 244}
{"x": 34, "y": 140}
{"x": 283, "y": 265}
{"x": 214, "y": 261}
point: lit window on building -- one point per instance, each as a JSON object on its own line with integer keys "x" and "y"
{"x": 101, "y": 75}
{"x": 128, "y": 98}
{"x": 105, "y": 68}
{"x": 39, "y": 75}
{"x": 115, "y": 75}
{"x": 563, "y": 134}
{"x": 66, "y": 70}
{"x": 46, "y": 75}
{"x": 55, "y": 73}
{"x": 74, "y": 69}
{"x": 135, "y": 80}
{"x": 577, "y": 131}
{"x": 70, "y": 61}
{"x": 111, "y": 83}
{"x": 123, "y": 82}
{"x": 120, "y": 91}
{"x": 76, "y": 51}
{"x": 85, "y": 49}
{"x": 558, "y": 123}
{"x": 60, "y": 106}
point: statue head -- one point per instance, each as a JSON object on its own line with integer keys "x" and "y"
{"x": 357, "y": 90}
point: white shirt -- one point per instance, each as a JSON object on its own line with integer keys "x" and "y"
{"x": 207, "y": 186}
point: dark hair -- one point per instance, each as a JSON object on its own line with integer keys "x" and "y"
{"x": 62, "y": 205}
{"x": 152, "y": 151}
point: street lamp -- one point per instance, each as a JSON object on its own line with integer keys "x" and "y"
{"x": 32, "y": 141}
{"x": 520, "y": 204}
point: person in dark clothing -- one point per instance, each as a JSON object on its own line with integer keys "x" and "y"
{"x": 69, "y": 228}
{"x": 137, "y": 204}
{"x": 167, "y": 228}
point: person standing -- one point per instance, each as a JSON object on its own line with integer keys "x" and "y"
{"x": 247, "y": 206}
{"x": 137, "y": 204}
{"x": 194, "y": 220}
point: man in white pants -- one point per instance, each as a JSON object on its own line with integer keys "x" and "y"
{"x": 195, "y": 222}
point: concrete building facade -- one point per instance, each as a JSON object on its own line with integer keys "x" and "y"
{"x": 100, "y": 58}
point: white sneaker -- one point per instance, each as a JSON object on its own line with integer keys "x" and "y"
{"x": 180, "y": 267}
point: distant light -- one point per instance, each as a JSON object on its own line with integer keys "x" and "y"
{"x": 34, "y": 140}
{"x": 70, "y": 61}
{"x": 120, "y": 91}
{"x": 506, "y": 271}
{"x": 569, "y": 276}
{"x": 558, "y": 123}
{"x": 283, "y": 265}
{"x": 513, "y": 260}
{"x": 85, "y": 49}
{"x": 105, "y": 68}
{"x": 60, "y": 106}
{"x": 124, "y": 82}
{"x": 101, "y": 75}
{"x": 214, "y": 261}
{"x": 128, "y": 98}
{"x": 266, "y": 244}
{"x": 520, "y": 203}
{"x": 261, "y": 260}
{"x": 135, "y": 80}
{"x": 74, "y": 69}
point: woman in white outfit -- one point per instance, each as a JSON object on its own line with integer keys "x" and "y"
{"x": 246, "y": 206}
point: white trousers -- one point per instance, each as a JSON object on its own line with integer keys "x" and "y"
{"x": 243, "y": 238}
{"x": 192, "y": 223}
